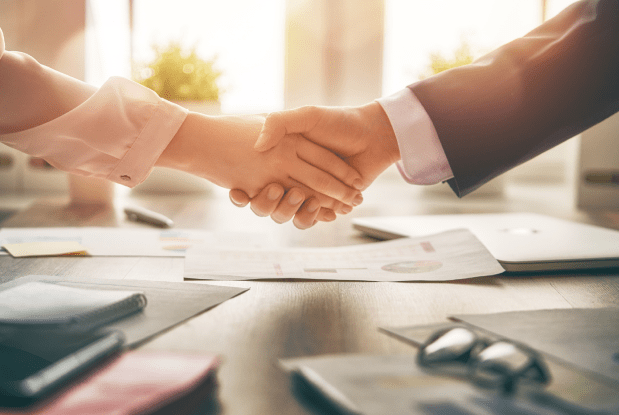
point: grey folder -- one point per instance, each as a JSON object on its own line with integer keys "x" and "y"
{"x": 366, "y": 384}
{"x": 169, "y": 303}
{"x": 587, "y": 338}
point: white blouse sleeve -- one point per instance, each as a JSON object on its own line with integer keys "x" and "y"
{"x": 116, "y": 132}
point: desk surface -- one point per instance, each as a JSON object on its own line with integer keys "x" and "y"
{"x": 292, "y": 319}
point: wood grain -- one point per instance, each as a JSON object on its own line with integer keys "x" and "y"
{"x": 278, "y": 319}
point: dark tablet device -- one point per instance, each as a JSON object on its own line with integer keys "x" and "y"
{"x": 32, "y": 365}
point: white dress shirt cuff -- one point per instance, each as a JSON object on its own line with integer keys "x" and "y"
{"x": 423, "y": 160}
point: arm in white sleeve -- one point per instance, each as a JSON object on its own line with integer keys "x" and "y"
{"x": 423, "y": 160}
{"x": 116, "y": 132}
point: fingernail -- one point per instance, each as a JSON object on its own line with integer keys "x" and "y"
{"x": 357, "y": 184}
{"x": 235, "y": 202}
{"x": 357, "y": 200}
{"x": 299, "y": 225}
{"x": 312, "y": 206}
{"x": 274, "y": 193}
{"x": 330, "y": 216}
{"x": 346, "y": 209}
{"x": 258, "y": 213}
{"x": 295, "y": 198}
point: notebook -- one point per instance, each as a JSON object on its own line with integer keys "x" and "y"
{"x": 521, "y": 242}
{"x": 45, "y": 306}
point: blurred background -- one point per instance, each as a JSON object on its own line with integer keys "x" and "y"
{"x": 243, "y": 56}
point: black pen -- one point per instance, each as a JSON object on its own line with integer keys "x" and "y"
{"x": 139, "y": 214}
{"x": 602, "y": 177}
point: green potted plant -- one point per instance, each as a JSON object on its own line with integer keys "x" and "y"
{"x": 438, "y": 63}
{"x": 182, "y": 76}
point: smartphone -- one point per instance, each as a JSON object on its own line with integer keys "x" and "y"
{"x": 34, "y": 364}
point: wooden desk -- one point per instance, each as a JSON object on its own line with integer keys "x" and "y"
{"x": 290, "y": 319}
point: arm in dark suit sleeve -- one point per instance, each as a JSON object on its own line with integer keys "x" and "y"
{"x": 527, "y": 96}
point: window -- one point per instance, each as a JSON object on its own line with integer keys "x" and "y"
{"x": 245, "y": 37}
{"x": 285, "y": 53}
{"x": 416, "y": 29}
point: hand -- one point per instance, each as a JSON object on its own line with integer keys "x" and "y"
{"x": 362, "y": 136}
{"x": 221, "y": 149}
{"x": 273, "y": 200}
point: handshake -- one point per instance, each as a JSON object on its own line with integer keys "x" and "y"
{"x": 323, "y": 156}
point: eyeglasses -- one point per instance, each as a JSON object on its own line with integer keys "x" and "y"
{"x": 500, "y": 364}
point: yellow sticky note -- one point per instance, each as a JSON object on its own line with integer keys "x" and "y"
{"x": 45, "y": 248}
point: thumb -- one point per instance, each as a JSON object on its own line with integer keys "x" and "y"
{"x": 278, "y": 124}
{"x": 273, "y": 130}
{"x": 239, "y": 198}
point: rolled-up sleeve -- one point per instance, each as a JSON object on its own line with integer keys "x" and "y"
{"x": 117, "y": 134}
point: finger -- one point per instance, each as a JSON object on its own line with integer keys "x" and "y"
{"x": 325, "y": 201}
{"x": 329, "y": 162}
{"x": 324, "y": 183}
{"x": 288, "y": 206}
{"x": 306, "y": 216}
{"x": 278, "y": 124}
{"x": 265, "y": 202}
{"x": 239, "y": 198}
{"x": 326, "y": 215}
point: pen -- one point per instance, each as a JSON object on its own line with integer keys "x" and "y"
{"x": 138, "y": 214}
{"x": 602, "y": 177}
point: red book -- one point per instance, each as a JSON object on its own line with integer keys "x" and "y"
{"x": 135, "y": 383}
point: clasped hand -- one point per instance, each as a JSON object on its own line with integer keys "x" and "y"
{"x": 361, "y": 137}
{"x": 221, "y": 149}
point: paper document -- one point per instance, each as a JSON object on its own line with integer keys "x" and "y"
{"x": 111, "y": 241}
{"x": 451, "y": 255}
{"x": 28, "y": 249}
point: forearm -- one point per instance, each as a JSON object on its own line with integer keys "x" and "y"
{"x": 32, "y": 94}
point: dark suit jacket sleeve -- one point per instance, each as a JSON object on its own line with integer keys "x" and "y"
{"x": 527, "y": 96}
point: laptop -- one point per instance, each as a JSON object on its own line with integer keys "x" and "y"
{"x": 521, "y": 242}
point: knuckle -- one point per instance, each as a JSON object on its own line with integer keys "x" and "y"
{"x": 272, "y": 117}
{"x": 351, "y": 176}
{"x": 311, "y": 110}
{"x": 350, "y": 194}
